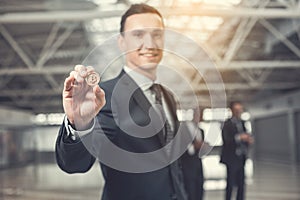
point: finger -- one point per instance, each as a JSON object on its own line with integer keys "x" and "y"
{"x": 78, "y": 68}
{"x": 68, "y": 84}
{"x": 77, "y": 77}
{"x": 90, "y": 69}
{"x": 99, "y": 93}
{"x": 100, "y": 96}
{"x": 81, "y": 69}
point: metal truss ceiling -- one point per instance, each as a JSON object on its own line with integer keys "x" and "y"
{"x": 255, "y": 47}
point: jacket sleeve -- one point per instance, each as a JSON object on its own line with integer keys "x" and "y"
{"x": 71, "y": 155}
{"x": 78, "y": 156}
{"x": 227, "y": 134}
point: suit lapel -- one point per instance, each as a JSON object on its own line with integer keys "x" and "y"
{"x": 137, "y": 93}
{"x": 145, "y": 105}
{"x": 140, "y": 99}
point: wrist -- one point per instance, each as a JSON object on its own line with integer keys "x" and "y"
{"x": 83, "y": 125}
{"x": 80, "y": 125}
{"x": 70, "y": 122}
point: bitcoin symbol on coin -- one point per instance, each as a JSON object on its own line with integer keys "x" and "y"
{"x": 92, "y": 79}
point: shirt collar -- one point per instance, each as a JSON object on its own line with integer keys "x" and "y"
{"x": 142, "y": 81}
{"x": 235, "y": 120}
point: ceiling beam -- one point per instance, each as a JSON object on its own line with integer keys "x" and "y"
{"x": 257, "y": 64}
{"x": 200, "y": 87}
{"x": 46, "y": 70}
{"x": 285, "y": 27}
{"x": 33, "y": 103}
{"x": 50, "y": 40}
{"x": 233, "y": 12}
{"x": 57, "y": 16}
{"x": 14, "y": 44}
{"x": 280, "y": 37}
{"x": 239, "y": 37}
{"x": 29, "y": 92}
{"x": 241, "y": 33}
{"x": 234, "y": 65}
{"x": 58, "y": 42}
{"x": 85, "y": 15}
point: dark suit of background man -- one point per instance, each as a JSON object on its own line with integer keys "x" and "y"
{"x": 191, "y": 162}
{"x": 141, "y": 40}
{"x": 234, "y": 151}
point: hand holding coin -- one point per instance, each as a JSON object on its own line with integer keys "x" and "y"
{"x": 82, "y": 96}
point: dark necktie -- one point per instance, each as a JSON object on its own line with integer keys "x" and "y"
{"x": 168, "y": 133}
{"x": 175, "y": 169}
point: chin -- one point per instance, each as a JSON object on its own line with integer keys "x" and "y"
{"x": 150, "y": 65}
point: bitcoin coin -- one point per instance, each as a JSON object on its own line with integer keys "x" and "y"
{"x": 92, "y": 79}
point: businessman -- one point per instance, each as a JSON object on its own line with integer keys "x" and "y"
{"x": 100, "y": 111}
{"x": 234, "y": 153}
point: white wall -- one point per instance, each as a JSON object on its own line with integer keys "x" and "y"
{"x": 10, "y": 117}
{"x": 274, "y": 126}
{"x": 45, "y": 138}
{"x": 275, "y": 105}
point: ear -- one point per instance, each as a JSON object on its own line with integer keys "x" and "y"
{"x": 121, "y": 43}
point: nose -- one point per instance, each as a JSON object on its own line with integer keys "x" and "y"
{"x": 148, "y": 41}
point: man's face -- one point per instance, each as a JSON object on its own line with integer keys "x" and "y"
{"x": 143, "y": 40}
{"x": 237, "y": 110}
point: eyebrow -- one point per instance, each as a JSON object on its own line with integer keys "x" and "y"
{"x": 145, "y": 30}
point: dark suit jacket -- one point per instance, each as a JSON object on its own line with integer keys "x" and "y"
{"x": 228, "y": 153}
{"x": 74, "y": 157}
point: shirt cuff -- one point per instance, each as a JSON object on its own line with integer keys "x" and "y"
{"x": 191, "y": 149}
{"x": 74, "y": 133}
{"x": 237, "y": 138}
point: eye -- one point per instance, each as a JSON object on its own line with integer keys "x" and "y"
{"x": 157, "y": 34}
{"x": 138, "y": 34}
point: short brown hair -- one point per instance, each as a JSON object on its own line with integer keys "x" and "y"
{"x": 233, "y": 103}
{"x": 137, "y": 9}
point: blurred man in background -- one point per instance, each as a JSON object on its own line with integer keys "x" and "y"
{"x": 234, "y": 153}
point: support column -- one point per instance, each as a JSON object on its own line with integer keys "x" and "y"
{"x": 292, "y": 136}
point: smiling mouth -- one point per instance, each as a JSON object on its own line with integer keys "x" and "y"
{"x": 150, "y": 55}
